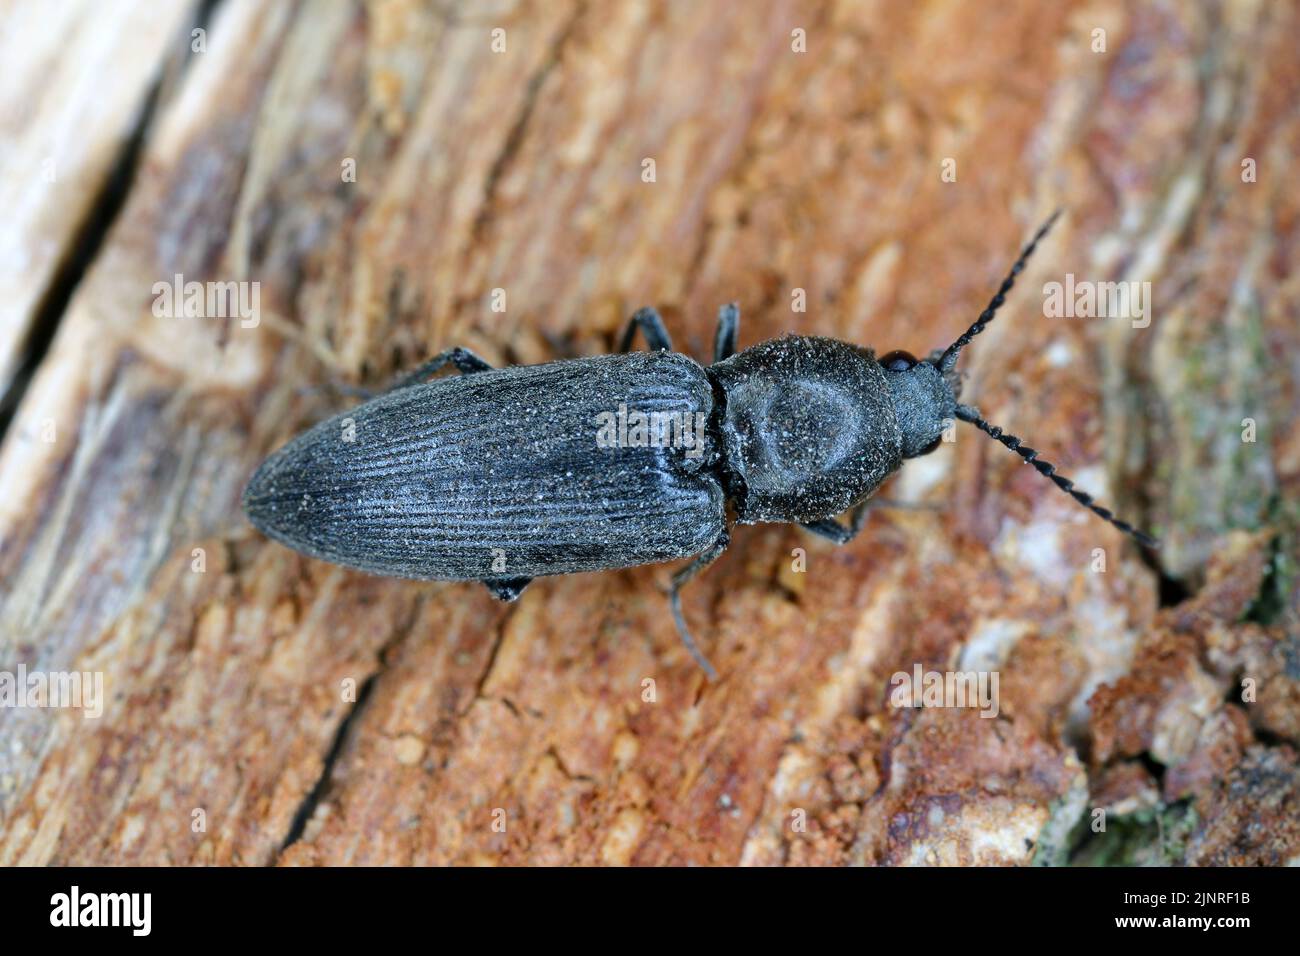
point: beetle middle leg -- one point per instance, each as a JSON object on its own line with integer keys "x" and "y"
{"x": 651, "y": 324}
{"x": 701, "y": 561}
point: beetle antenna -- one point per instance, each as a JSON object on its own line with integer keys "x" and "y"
{"x": 970, "y": 414}
{"x": 949, "y": 357}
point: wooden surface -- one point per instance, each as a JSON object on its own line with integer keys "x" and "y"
{"x": 77, "y": 78}
{"x": 319, "y": 716}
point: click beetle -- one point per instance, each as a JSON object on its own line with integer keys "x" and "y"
{"x": 613, "y": 461}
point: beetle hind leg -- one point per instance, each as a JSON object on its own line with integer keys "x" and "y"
{"x": 506, "y": 589}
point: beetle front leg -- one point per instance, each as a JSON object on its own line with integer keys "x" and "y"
{"x": 651, "y": 324}
{"x": 724, "y": 340}
{"x": 701, "y": 561}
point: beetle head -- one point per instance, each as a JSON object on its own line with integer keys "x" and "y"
{"x": 924, "y": 399}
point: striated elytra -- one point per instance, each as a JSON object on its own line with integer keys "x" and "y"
{"x": 503, "y": 475}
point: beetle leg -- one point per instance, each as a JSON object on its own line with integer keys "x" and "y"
{"x": 652, "y": 327}
{"x": 701, "y": 561}
{"x": 466, "y": 362}
{"x": 724, "y": 340}
{"x": 841, "y": 534}
{"x": 506, "y": 589}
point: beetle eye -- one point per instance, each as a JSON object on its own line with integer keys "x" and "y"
{"x": 898, "y": 361}
{"x": 930, "y": 447}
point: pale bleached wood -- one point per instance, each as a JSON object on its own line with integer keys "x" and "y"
{"x": 77, "y": 74}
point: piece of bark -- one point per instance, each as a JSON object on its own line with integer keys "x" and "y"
{"x": 271, "y": 699}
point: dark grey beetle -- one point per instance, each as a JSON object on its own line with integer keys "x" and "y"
{"x": 498, "y": 475}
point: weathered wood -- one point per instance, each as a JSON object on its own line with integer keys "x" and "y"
{"x": 363, "y": 720}
{"x": 76, "y": 77}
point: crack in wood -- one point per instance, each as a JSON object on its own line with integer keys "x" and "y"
{"x": 88, "y": 240}
{"x": 307, "y": 808}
